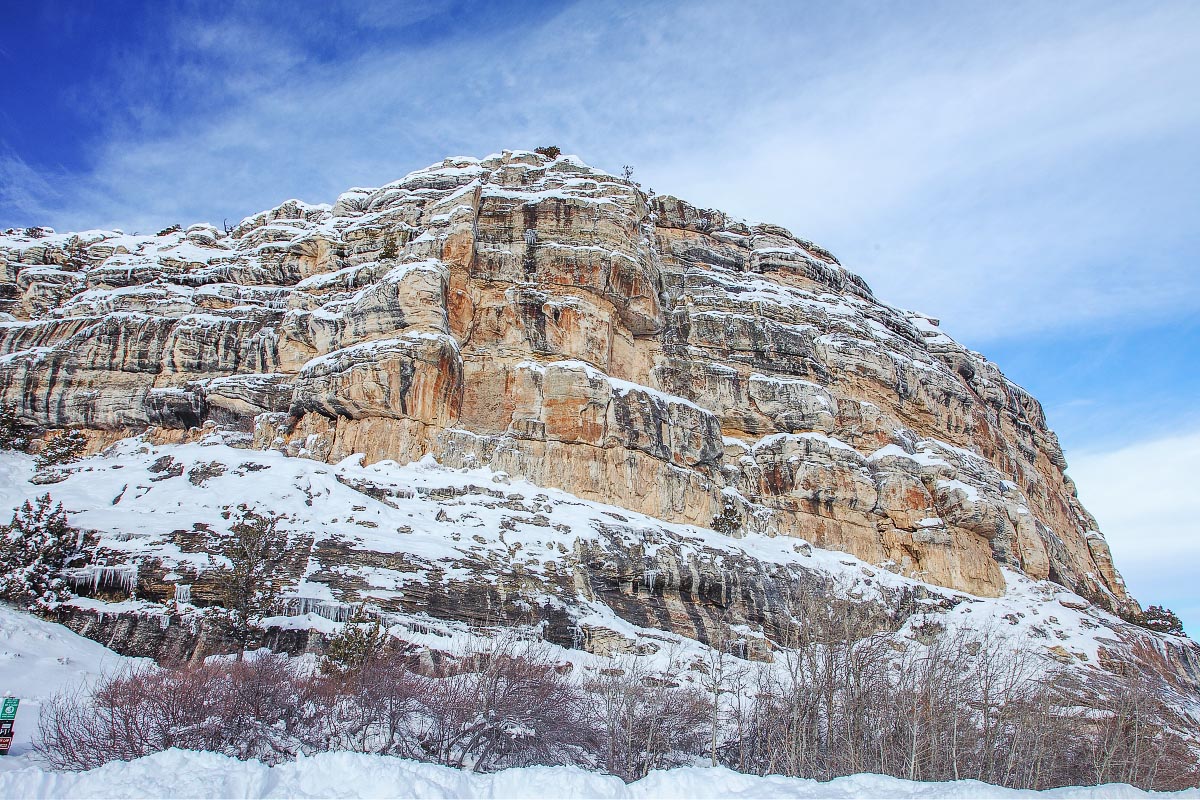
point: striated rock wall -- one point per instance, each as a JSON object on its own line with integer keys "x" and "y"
{"x": 556, "y": 323}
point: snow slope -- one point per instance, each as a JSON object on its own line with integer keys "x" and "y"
{"x": 449, "y": 528}
{"x": 39, "y": 659}
{"x": 180, "y": 773}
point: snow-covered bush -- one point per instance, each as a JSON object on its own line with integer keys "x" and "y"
{"x": 549, "y": 151}
{"x": 35, "y": 549}
{"x": 63, "y": 448}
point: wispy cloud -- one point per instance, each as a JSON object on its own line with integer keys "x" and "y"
{"x": 1144, "y": 498}
{"x": 31, "y": 192}
{"x": 1005, "y": 181}
{"x": 1005, "y": 168}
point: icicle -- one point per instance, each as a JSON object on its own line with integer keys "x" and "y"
{"x": 95, "y": 576}
{"x": 338, "y": 612}
{"x": 183, "y": 593}
{"x": 649, "y": 577}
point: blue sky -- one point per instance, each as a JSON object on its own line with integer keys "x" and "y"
{"x": 1025, "y": 172}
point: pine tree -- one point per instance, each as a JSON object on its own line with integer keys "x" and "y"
{"x": 1162, "y": 620}
{"x": 12, "y": 433}
{"x": 728, "y": 521}
{"x": 358, "y": 643}
{"x": 250, "y": 586}
{"x": 63, "y": 448}
{"x": 35, "y": 549}
{"x": 390, "y": 249}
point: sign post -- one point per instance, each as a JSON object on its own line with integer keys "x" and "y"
{"x": 8, "y": 715}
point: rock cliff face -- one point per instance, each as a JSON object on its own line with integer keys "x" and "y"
{"x": 549, "y": 321}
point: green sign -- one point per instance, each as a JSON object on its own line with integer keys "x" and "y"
{"x": 8, "y": 708}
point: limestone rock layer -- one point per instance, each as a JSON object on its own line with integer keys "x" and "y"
{"x": 557, "y": 323}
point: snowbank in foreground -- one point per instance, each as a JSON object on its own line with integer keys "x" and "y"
{"x": 180, "y": 773}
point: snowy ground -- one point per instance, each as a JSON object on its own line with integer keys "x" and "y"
{"x": 39, "y": 658}
{"x": 179, "y": 773}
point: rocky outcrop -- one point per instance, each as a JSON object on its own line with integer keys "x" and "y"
{"x": 561, "y": 325}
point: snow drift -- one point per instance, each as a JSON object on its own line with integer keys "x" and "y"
{"x": 180, "y": 773}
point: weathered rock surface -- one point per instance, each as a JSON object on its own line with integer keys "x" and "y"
{"x": 557, "y": 324}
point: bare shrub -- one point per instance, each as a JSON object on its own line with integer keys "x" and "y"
{"x": 954, "y": 705}
{"x": 1134, "y": 731}
{"x": 267, "y": 709}
{"x": 507, "y": 706}
{"x": 375, "y": 701}
{"x": 133, "y": 714}
{"x": 645, "y": 722}
{"x": 249, "y": 709}
{"x": 850, "y": 697}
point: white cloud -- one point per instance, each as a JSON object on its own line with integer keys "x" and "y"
{"x": 21, "y": 186}
{"x": 1027, "y": 185}
{"x": 1146, "y": 501}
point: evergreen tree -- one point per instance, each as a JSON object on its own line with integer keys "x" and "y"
{"x": 63, "y": 448}
{"x": 250, "y": 586}
{"x": 1162, "y": 620}
{"x": 357, "y": 644}
{"x": 728, "y": 521}
{"x": 390, "y": 249}
{"x": 35, "y": 549}
{"x": 12, "y": 433}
